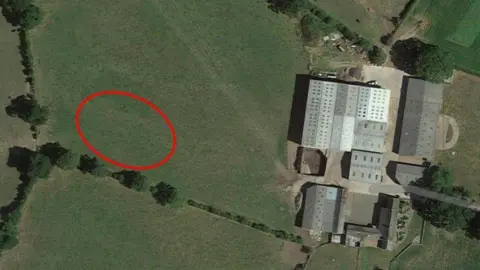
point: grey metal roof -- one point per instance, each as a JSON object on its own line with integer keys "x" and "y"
{"x": 388, "y": 223}
{"x": 370, "y": 136}
{"x": 406, "y": 173}
{"x": 419, "y": 125}
{"x": 333, "y": 111}
{"x": 322, "y": 208}
{"x": 361, "y": 230}
{"x": 366, "y": 167}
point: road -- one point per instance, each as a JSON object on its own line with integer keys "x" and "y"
{"x": 392, "y": 189}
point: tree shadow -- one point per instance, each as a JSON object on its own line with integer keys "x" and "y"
{"x": 19, "y": 158}
{"x": 345, "y": 164}
{"x": 297, "y": 112}
{"x": 401, "y": 110}
{"x": 299, "y": 216}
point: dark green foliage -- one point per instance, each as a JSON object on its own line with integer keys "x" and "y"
{"x": 423, "y": 60}
{"x": 243, "y": 220}
{"x": 22, "y": 13}
{"x": 92, "y": 166}
{"x": 288, "y": 7}
{"x": 30, "y": 17}
{"x": 434, "y": 64}
{"x": 442, "y": 214}
{"x": 474, "y": 227}
{"x": 376, "y": 55}
{"x": 164, "y": 193}
{"x": 68, "y": 160}
{"x": 60, "y": 156}
{"x": 132, "y": 179}
{"x": 9, "y": 230}
{"x": 40, "y": 166}
{"x": 26, "y": 107}
{"x": 26, "y": 55}
{"x": 313, "y": 27}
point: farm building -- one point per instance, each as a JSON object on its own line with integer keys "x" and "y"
{"x": 361, "y": 236}
{"x": 387, "y": 221}
{"x": 366, "y": 167}
{"x": 340, "y": 116}
{"x": 322, "y": 209}
{"x": 422, "y": 102}
{"x": 407, "y": 173}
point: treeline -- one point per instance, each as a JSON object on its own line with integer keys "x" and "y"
{"x": 441, "y": 214}
{"x": 25, "y": 15}
{"x": 245, "y": 221}
{"x": 36, "y": 165}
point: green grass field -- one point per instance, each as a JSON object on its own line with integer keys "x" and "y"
{"x": 74, "y": 221}
{"x": 334, "y": 257}
{"x": 223, "y": 72}
{"x": 460, "y": 100}
{"x": 454, "y": 25}
{"x": 13, "y": 131}
{"x": 441, "y": 250}
{"x": 372, "y": 14}
{"x": 369, "y": 258}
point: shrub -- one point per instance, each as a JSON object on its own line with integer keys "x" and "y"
{"x": 377, "y": 56}
{"x": 132, "y": 179}
{"x": 164, "y": 193}
{"x": 26, "y": 107}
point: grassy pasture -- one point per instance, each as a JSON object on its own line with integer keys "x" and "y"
{"x": 460, "y": 101}
{"x": 223, "y": 72}
{"x": 372, "y": 14}
{"x": 334, "y": 257}
{"x": 74, "y": 221}
{"x": 441, "y": 250}
{"x": 13, "y": 131}
{"x": 454, "y": 26}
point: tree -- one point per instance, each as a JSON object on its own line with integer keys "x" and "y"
{"x": 40, "y": 166}
{"x": 132, "y": 179}
{"x": 441, "y": 214}
{"x": 423, "y": 60}
{"x": 433, "y": 64}
{"x": 164, "y": 193}
{"x": 92, "y": 166}
{"x": 23, "y": 13}
{"x": 26, "y": 107}
{"x": 287, "y": 7}
{"x": 31, "y": 17}
{"x": 68, "y": 160}
{"x": 377, "y": 56}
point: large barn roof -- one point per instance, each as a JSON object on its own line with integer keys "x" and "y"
{"x": 423, "y": 103}
{"x": 334, "y": 111}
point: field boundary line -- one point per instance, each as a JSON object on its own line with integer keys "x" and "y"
{"x": 285, "y": 236}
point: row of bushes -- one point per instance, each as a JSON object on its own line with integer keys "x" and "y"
{"x": 27, "y": 59}
{"x": 26, "y": 15}
{"x": 35, "y": 165}
{"x": 243, "y": 220}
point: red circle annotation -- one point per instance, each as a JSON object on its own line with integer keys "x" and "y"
{"x": 110, "y": 160}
